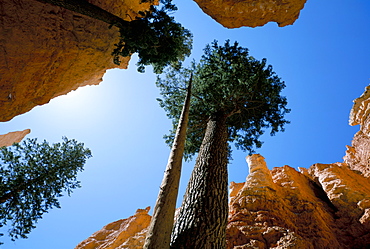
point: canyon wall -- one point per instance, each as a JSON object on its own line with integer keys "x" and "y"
{"x": 47, "y": 51}
{"x": 358, "y": 155}
{"x": 324, "y": 206}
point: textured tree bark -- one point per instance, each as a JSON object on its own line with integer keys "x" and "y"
{"x": 159, "y": 232}
{"x": 202, "y": 220}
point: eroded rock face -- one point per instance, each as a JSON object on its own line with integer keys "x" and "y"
{"x": 126, "y": 233}
{"x": 238, "y": 13}
{"x": 349, "y": 193}
{"x": 326, "y": 206}
{"x": 47, "y": 51}
{"x": 279, "y": 209}
{"x": 358, "y": 155}
{"x": 13, "y": 137}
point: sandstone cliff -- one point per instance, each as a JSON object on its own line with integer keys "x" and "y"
{"x": 47, "y": 51}
{"x": 325, "y": 206}
{"x": 358, "y": 155}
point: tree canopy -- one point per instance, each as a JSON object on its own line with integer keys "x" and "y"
{"x": 157, "y": 38}
{"x": 32, "y": 176}
{"x": 227, "y": 80}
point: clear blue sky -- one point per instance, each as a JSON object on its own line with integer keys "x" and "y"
{"x": 324, "y": 59}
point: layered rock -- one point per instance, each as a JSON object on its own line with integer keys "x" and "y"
{"x": 349, "y": 193}
{"x": 326, "y": 206}
{"x": 358, "y": 155}
{"x": 13, "y": 137}
{"x": 126, "y": 233}
{"x": 238, "y": 13}
{"x": 281, "y": 208}
{"x": 47, "y": 51}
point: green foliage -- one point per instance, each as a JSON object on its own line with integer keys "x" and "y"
{"x": 157, "y": 38}
{"x": 227, "y": 81}
{"x": 32, "y": 176}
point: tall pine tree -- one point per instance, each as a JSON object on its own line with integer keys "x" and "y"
{"x": 235, "y": 99}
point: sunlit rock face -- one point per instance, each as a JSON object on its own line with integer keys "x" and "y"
{"x": 279, "y": 209}
{"x": 358, "y": 155}
{"x": 13, "y": 137}
{"x": 349, "y": 192}
{"x": 238, "y": 13}
{"x": 126, "y": 233}
{"x": 47, "y": 51}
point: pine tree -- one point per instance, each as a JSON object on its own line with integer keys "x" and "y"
{"x": 235, "y": 99}
{"x": 157, "y": 38}
{"x": 32, "y": 178}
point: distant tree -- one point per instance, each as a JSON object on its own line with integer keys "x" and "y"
{"x": 156, "y": 37}
{"x": 160, "y": 228}
{"x": 235, "y": 98}
{"x": 32, "y": 176}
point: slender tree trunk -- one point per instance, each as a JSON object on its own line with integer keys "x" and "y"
{"x": 202, "y": 221}
{"x": 159, "y": 233}
{"x": 85, "y": 8}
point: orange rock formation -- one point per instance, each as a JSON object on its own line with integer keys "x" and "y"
{"x": 13, "y": 137}
{"x": 325, "y": 206}
{"x": 126, "y": 233}
{"x": 238, "y": 13}
{"x": 357, "y": 156}
{"x": 47, "y": 51}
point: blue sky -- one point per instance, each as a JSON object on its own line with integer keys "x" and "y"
{"x": 323, "y": 58}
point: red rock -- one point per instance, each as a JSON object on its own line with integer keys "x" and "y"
{"x": 13, "y": 137}
{"x": 126, "y": 233}
{"x": 47, "y": 51}
{"x": 358, "y": 155}
{"x": 238, "y": 13}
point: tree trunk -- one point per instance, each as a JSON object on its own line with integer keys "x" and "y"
{"x": 202, "y": 221}
{"x": 85, "y": 8}
{"x": 159, "y": 233}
